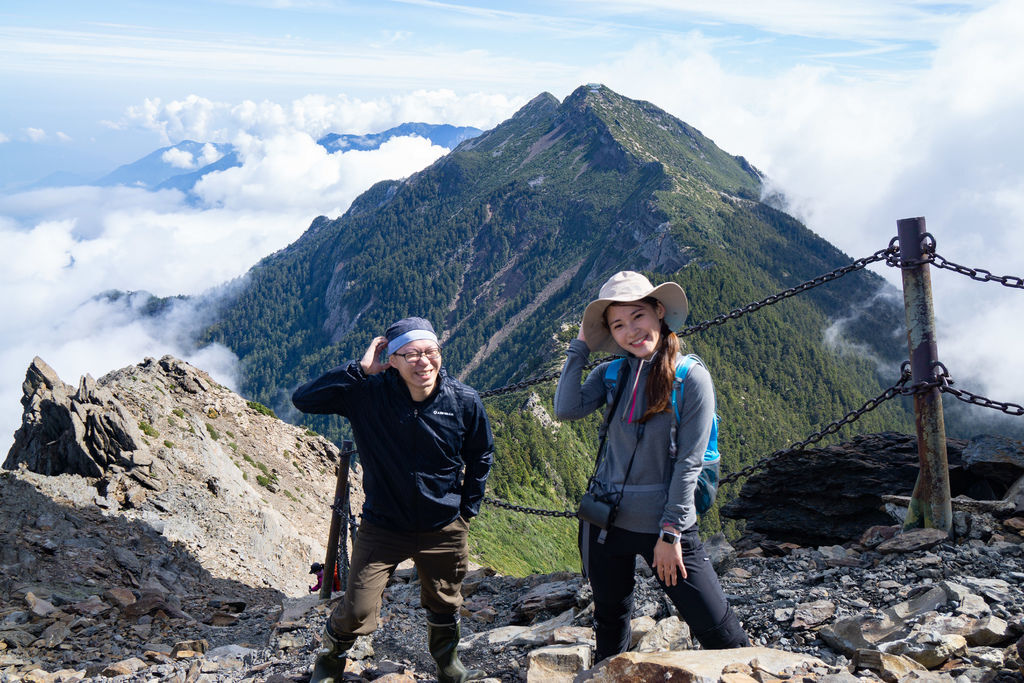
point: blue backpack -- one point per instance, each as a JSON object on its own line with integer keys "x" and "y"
{"x": 707, "y": 480}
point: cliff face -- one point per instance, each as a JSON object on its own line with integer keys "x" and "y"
{"x": 163, "y": 444}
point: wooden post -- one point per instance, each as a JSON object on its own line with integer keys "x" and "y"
{"x": 930, "y": 503}
{"x": 339, "y": 522}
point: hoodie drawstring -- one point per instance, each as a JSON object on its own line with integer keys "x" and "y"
{"x": 636, "y": 382}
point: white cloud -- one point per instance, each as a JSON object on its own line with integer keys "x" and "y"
{"x": 35, "y": 134}
{"x": 208, "y": 155}
{"x": 291, "y": 170}
{"x": 853, "y": 156}
{"x": 4, "y": 138}
{"x": 63, "y": 137}
{"x": 178, "y": 158}
{"x": 198, "y": 118}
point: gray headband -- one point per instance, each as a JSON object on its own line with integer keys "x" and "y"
{"x": 411, "y": 336}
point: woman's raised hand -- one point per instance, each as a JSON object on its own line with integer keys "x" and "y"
{"x": 371, "y": 359}
{"x": 582, "y": 337}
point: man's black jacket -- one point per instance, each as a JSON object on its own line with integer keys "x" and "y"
{"x": 412, "y": 452}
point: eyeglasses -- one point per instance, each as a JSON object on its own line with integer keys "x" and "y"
{"x": 414, "y": 356}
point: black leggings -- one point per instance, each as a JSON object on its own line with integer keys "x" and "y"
{"x": 610, "y": 566}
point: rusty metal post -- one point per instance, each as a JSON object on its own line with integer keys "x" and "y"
{"x": 930, "y": 503}
{"x": 339, "y": 520}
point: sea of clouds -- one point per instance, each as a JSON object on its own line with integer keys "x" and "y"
{"x": 61, "y": 247}
{"x": 852, "y": 153}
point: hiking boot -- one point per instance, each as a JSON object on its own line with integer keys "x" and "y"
{"x": 443, "y": 641}
{"x": 331, "y": 659}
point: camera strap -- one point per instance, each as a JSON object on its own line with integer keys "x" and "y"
{"x": 620, "y": 384}
{"x": 602, "y": 431}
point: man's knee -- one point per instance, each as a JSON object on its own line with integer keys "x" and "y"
{"x": 440, "y": 597}
{"x": 356, "y": 615}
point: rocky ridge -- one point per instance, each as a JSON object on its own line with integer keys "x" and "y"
{"x": 163, "y": 444}
{"x": 105, "y": 578}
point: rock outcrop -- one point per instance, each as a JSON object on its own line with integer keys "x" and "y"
{"x": 64, "y": 430}
{"x": 830, "y": 495}
{"x": 163, "y": 444}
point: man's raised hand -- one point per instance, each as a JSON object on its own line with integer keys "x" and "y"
{"x": 371, "y": 359}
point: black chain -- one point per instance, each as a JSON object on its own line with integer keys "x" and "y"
{"x": 886, "y": 254}
{"x": 945, "y": 384}
{"x": 974, "y": 399}
{"x": 895, "y": 390}
{"x": 528, "y": 510}
{"x": 551, "y": 376}
{"x": 930, "y": 256}
{"x": 942, "y": 381}
{"x": 979, "y": 274}
{"x": 889, "y": 255}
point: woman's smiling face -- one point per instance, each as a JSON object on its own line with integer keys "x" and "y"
{"x": 636, "y": 326}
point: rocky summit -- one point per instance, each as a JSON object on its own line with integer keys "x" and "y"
{"x": 156, "y": 526}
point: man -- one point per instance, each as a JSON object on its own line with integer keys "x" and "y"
{"x": 416, "y": 428}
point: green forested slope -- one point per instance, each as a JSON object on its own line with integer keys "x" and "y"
{"x": 502, "y": 243}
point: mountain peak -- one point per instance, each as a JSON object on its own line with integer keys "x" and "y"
{"x": 595, "y": 129}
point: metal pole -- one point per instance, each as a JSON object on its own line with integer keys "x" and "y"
{"x": 339, "y": 519}
{"x": 930, "y": 503}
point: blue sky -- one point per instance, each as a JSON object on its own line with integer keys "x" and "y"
{"x": 72, "y": 65}
{"x": 860, "y": 113}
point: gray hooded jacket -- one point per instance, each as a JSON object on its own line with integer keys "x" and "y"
{"x": 659, "y": 491}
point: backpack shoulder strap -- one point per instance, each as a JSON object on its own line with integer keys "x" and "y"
{"x": 614, "y": 381}
{"x": 682, "y": 369}
{"x": 611, "y": 373}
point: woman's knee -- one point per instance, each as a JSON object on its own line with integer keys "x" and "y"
{"x": 727, "y": 634}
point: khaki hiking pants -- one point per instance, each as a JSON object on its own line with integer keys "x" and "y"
{"x": 441, "y": 558}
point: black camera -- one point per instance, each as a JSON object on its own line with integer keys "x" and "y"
{"x": 598, "y": 509}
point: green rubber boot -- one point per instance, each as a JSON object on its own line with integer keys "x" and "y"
{"x": 331, "y": 659}
{"x": 443, "y": 641}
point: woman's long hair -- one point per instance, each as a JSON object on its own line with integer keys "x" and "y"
{"x": 663, "y": 372}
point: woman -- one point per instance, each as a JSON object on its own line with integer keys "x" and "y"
{"x": 656, "y": 516}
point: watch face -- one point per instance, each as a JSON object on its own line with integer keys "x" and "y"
{"x": 669, "y": 537}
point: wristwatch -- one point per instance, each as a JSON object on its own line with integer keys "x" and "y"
{"x": 669, "y": 536}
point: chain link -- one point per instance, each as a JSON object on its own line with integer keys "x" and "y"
{"x": 945, "y": 384}
{"x": 974, "y": 399}
{"x": 525, "y": 384}
{"x": 931, "y": 256}
{"x": 979, "y": 274}
{"x": 528, "y": 510}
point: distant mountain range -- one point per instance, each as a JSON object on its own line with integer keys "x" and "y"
{"x": 442, "y": 135}
{"x": 172, "y": 166}
{"x": 182, "y": 165}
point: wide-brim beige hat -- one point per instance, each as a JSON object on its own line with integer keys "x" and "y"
{"x": 628, "y": 285}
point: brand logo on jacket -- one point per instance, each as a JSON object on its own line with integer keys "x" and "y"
{"x": 444, "y": 412}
